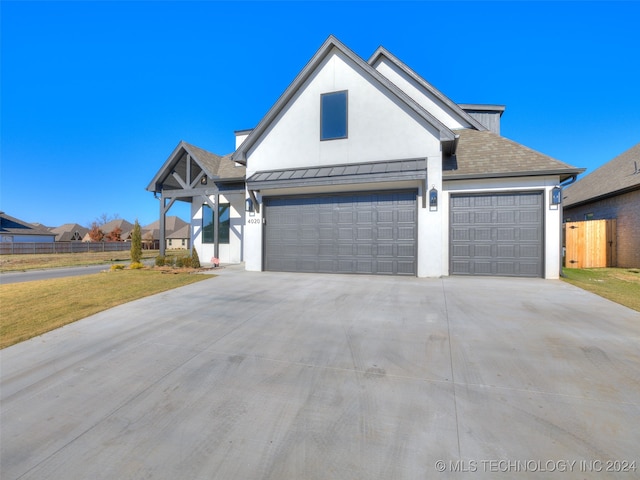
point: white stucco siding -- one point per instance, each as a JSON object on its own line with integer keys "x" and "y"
{"x": 552, "y": 217}
{"x": 422, "y": 97}
{"x": 380, "y": 127}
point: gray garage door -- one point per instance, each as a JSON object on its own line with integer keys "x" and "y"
{"x": 497, "y": 234}
{"x": 358, "y": 233}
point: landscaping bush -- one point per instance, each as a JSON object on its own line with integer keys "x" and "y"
{"x": 160, "y": 261}
{"x": 117, "y": 267}
{"x": 136, "y": 244}
{"x": 179, "y": 262}
{"x": 195, "y": 260}
{"x": 136, "y": 266}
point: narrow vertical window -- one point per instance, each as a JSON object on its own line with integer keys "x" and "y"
{"x": 333, "y": 115}
{"x": 207, "y": 224}
{"x": 224, "y": 222}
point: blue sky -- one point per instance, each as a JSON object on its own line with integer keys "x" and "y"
{"x": 96, "y": 95}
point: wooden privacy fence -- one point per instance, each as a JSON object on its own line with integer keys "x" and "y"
{"x": 590, "y": 244}
{"x": 11, "y": 248}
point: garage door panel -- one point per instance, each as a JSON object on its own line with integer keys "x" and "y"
{"x": 363, "y": 233}
{"x": 497, "y": 234}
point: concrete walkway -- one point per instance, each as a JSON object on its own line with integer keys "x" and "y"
{"x": 300, "y": 376}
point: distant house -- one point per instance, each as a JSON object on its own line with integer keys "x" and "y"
{"x": 69, "y": 232}
{"x": 176, "y": 233}
{"x": 109, "y": 227}
{"x": 611, "y": 192}
{"x": 179, "y": 239}
{"x": 19, "y": 231}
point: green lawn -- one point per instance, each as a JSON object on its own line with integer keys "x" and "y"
{"x": 30, "y": 309}
{"x": 621, "y": 285}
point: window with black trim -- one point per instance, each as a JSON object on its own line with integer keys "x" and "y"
{"x": 224, "y": 223}
{"x": 333, "y": 115}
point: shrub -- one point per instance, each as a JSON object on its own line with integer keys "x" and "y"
{"x": 136, "y": 266}
{"x": 160, "y": 261}
{"x": 186, "y": 262}
{"x": 136, "y": 243}
{"x": 179, "y": 262}
{"x": 195, "y": 260}
{"x": 116, "y": 267}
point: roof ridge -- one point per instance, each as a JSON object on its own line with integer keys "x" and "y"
{"x": 330, "y": 43}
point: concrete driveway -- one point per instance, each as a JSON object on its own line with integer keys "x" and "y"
{"x": 301, "y": 376}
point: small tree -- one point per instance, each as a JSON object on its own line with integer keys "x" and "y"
{"x": 95, "y": 234}
{"x": 195, "y": 260}
{"x": 136, "y": 243}
{"x": 114, "y": 235}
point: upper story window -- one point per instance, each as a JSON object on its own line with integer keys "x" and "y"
{"x": 333, "y": 115}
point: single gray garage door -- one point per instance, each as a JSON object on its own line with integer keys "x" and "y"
{"x": 497, "y": 234}
{"x": 372, "y": 233}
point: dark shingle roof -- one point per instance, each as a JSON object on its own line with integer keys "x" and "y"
{"x": 484, "y": 154}
{"x": 219, "y": 168}
{"x": 620, "y": 175}
{"x": 216, "y": 165}
{"x": 13, "y": 226}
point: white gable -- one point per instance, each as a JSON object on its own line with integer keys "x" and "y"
{"x": 380, "y": 126}
{"x": 420, "y": 95}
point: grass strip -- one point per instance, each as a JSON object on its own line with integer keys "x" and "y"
{"x": 19, "y": 263}
{"x": 32, "y": 308}
{"x": 620, "y": 285}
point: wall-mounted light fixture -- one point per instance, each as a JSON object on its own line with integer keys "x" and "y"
{"x": 203, "y": 180}
{"x": 555, "y": 197}
{"x": 433, "y": 199}
{"x": 248, "y": 205}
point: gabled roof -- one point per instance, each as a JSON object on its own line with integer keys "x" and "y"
{"x": 215, "y": 166}
{"x": 455, "y": 109}
{"x": 171, "y": 224}
{"x": 367, "y": 70}
{"x": 620, "y": 175}
{"x": 123, "y": 225}
{"x": 66, "y": 232}
{"x": 484, "y": 154}
{"x": 12, "y": 226}
{"x": 181, "y": 233}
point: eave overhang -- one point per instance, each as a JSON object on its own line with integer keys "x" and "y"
{"x": 564, "y": 174}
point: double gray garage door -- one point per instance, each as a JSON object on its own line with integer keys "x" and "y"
{"x": 490, "y": 234}
{"x": 373, "y": 233}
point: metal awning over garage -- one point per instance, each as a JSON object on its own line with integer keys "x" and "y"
{"x": 390, "y": 171}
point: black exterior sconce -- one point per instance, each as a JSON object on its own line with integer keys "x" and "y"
{"x": 248, "y": 205}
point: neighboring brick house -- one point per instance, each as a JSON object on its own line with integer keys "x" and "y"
{"x": 176, "y": 233}
{"x": 611, "y": 192}
{"x": 179, "y": 239}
